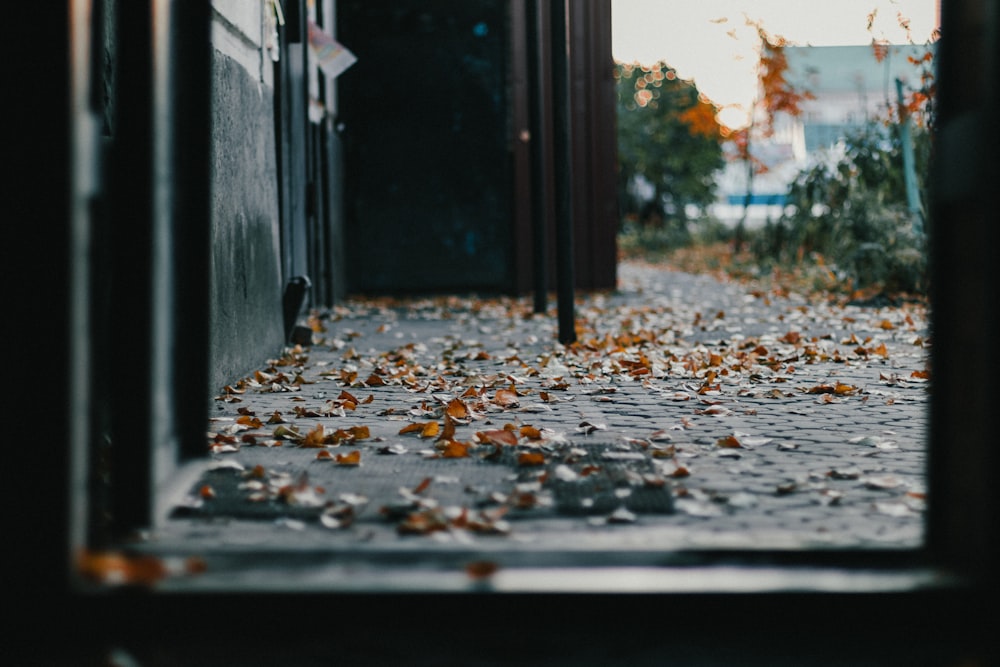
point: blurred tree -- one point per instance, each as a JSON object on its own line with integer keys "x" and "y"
{"x": 668, "y": 136}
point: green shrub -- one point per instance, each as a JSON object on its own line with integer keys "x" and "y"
{"x": 852, "y": 216}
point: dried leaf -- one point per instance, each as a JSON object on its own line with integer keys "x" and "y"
{"x": 530, "y": 432}
{"x": 349, "y": 459}
{"x": 729, "y": 442}
{"x": 314, "y": 438}
{"x": 497, "y": 437}
{"x": 481, "y": 569}
{"x": 360, "y": 433}
{"x": 506, "y": 398}
{"x": 117, "y": 568}
{"x": 531, "y": 459}
{"x": 448, "y": 432}
{"x": 457, "y": 409}
{"x": 411, "y": 428}
{"x": 455, "y": 450}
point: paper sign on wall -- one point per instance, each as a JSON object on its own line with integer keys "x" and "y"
{"x": 332, "y": 57}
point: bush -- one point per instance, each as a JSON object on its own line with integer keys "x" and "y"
{"x": 851, "y": 214}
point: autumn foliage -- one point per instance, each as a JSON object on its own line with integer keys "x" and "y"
{"x": 669, "y": 139}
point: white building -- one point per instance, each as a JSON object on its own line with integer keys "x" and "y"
{"x": 849, "y": 86}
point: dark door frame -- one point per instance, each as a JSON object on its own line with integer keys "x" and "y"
{"x": 963, "y": 525}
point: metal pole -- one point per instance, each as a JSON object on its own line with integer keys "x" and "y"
{"x": 539, "y": 198}
{"x": 561, "y": 126}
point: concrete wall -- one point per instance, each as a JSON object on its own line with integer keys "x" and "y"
{"x": 247, "y": 325}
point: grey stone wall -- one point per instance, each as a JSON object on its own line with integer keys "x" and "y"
{"x": 247, "y": 323}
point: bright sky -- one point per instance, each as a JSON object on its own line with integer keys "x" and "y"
{"x": 708, "y": 40}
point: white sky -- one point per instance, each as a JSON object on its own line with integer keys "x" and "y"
{"x": 691, "y": 36}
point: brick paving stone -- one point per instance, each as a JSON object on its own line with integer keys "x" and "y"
{"x": 799, "y": 480}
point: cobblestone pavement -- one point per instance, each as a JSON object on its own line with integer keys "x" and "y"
{"x": 692, "y": 414}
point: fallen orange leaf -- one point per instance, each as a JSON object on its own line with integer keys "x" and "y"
{"x": 729, "y": 442}
{"x": 457, "y": 409}
{"x": 112, "y": 567}
{"x": 481, "y": 569}
{"x": 349, "y": 459}
{"x": 530, "y": 459}
{"x": 360, "y": 433}
{"x": 531, "y": 433}
{"x": 455, "y": 450}
{"x": 497, "y": 437}
{"x": 506, "y": 398}
{"x": 314, "y": 438}
{"x": 448, "y": 432}
{"x": 250, "y": 421}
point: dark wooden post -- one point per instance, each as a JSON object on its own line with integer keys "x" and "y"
{"x": 561, "y": 131}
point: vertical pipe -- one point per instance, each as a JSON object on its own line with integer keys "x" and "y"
{"x": 536, "y": 101}
{"x": 191, "y": 97}
{"x": 130, "y": 196}
{"x": 561, "y": 127}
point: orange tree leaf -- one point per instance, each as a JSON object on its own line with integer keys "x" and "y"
{"x": 457, "y": 409}
{"x": 247, "y": 420}
{"x": 497, "y": 437}
{"x": 455, "y": 450}
{"x": 481, "y": 569}
{"x": 349, "y": 459}
{"x": 530, "y": 459}
{"x": 112, "y": 567}
{"x": 430, "y": 430}
{"x": 531, "y": 433}
{"x": 506, "y": 398}
{"x": 314, "y": 438}
{"x": 448, "y": 432}
{"x": 729, "y": 442}
{"x": 423, "y": 486}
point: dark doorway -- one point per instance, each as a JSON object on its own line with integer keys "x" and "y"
{"x": 427, "y": 162}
